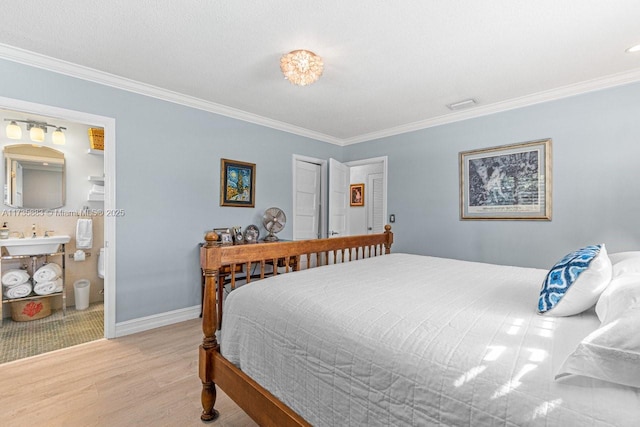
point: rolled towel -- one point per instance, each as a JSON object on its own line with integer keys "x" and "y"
{"x": 46, "y": 288}
{"x": 47, "y": 273}
{"x": 18, "y": 291}
{"x": 14, "y": 277}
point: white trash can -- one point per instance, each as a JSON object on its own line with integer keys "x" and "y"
{"x": 81, "y": 290}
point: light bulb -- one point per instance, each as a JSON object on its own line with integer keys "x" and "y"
{"x": 57, "y": 137}
{"x": 36, "y": 134}
{"x": 14, "y": 131}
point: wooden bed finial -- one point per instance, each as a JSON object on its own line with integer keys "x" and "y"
{"x": 210, "y": 237}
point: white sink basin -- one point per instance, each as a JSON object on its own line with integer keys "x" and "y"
{"x": 34, "y": 246}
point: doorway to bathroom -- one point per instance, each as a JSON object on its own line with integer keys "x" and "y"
{"x": 89, "y": 177}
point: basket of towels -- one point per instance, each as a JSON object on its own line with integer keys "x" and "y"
{"x": 17, "y": 283}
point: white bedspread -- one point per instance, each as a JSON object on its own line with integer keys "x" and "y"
{"x": 412, "y": 340}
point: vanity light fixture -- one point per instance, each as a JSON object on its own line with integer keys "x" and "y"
{"x": 36, "y": 131}
{"x": 301, "y": 67}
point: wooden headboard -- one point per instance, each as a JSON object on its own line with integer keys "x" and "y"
{"x": 217, "y": 259}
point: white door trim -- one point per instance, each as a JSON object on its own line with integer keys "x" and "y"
{"x": 109, "y": 125}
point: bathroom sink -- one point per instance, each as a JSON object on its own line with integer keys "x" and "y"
{"x": 34, "y": 245}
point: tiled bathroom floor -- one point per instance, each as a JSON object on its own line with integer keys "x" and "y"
{"x": 23, "y": 339}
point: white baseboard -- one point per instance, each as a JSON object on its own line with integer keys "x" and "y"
{"x": 157, "y": 320}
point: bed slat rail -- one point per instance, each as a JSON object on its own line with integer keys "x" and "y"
{"x": 268, "y": 258}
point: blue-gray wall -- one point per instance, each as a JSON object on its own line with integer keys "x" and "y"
{"x": 168, "y": 180}
{"x": 596, "y": 181}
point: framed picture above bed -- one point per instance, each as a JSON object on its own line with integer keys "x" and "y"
{"x": 237, "y": 183}
{"x": 509, "y": 182}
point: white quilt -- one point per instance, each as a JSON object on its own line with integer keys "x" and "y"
{"x": 418, "y": 341}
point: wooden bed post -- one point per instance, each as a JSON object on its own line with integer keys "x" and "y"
{"x": 209, "y": 327}
{"x": 389, "y": 239}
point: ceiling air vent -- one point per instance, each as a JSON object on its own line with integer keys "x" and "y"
{"x": 462, "y": 104}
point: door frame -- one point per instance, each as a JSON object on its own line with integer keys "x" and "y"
{"x": 324, "y": 183}
{"x": 109, "y": 125}
{"x": 323, "y": 190}
{"x": 384, "y": 160}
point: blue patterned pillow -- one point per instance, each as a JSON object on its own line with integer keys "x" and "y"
{"x": 575, "y": 282}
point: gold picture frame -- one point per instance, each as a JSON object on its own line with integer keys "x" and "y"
{"x": 509, "y": 182}
{"x": 356, "y": 195}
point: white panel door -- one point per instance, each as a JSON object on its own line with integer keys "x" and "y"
{"x": 306, "y": 223}
{"x": 375, "y": 209}
{"x": 338, "y": 198}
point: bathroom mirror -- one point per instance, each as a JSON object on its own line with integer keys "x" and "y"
{"x": 34, "y": 177}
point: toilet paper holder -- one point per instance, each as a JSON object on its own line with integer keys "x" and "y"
{"x": 86, "y": 254}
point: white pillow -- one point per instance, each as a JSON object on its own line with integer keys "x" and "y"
{"x": 622, "y": 293}
{"x": 574, "y": 283}
{"x": 610, "y": 353}
{"x": 625, "y": 262}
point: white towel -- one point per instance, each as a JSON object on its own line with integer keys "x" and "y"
{"x": 97, "y": 189}
{"x": 18, "y": 291}
{"x": 95, "y": 196}
{"x": 46, "y": 288}
{"x": 84, "y": 233}
{"x": 47, "y": 273}
{"x": 14, "y": 277}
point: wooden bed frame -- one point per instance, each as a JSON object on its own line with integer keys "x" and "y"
{"x": 218, "y": 260}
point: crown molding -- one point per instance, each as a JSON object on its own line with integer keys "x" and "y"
{"x": 85, "y": 73}
{"x": 511, "y": 104}
{"x": 78, "y": 71}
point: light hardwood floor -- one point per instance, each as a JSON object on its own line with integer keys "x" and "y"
{"x": 150, "y": 378}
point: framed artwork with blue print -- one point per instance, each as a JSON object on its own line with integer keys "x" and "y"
{"x": 237, "y": 183}
{"x": 506, "y": 182}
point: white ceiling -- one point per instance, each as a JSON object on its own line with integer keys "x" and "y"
{"x": 390, "y": 66}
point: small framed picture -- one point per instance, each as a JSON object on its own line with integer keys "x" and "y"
{"x": 221, "y": 231}
{"x": 237, "y": 235}
{"x": 226, "y": 238}
{"x": 237, "y": 183}
{"x": 357, "y": 194}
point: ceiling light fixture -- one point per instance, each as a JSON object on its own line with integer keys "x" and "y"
{"x": 301, "y": 67}
{"x": 634, "y": 49}
{"x": 462, "y": 104}
{"x": 36, "y": 131}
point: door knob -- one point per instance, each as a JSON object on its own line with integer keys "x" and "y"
{"x": 333, "y": 233}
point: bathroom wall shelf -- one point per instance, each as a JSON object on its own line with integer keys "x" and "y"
{"x": 96, "y": 152}
{"x": 96, "y": 178}
{"x": 35, "y": 262}
{"x": 95, "y": 198}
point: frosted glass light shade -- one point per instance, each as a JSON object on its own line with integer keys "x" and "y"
{"x": 57, "y": 137}
{"x": 36, "y": 134}
{"x": 301, "y": 67}
{"x": 14, "y": 131}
